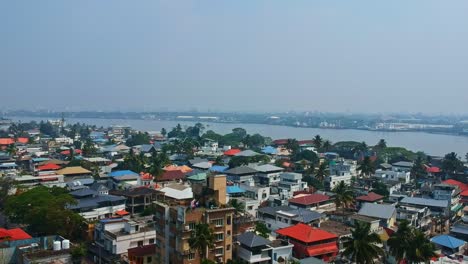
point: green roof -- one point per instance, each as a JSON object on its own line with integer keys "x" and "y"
{"x": 198, "y": 177}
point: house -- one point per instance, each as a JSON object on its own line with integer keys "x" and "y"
{"x": 402, "y": 166}
{"x": 310, "y": 201}
{"x": 247, "y": 153}
{"x": 142, "y": 255}
{"x": 392, "y": 175}
{"x": 290, "y": 182}
{"x": 93, "y": 206}
{"x": 138, "y": 198}
{"x": 268, "y": 174}
{"x": 256, "y": 249}
{"x": 450, "y": 193}
{"x": 373, "y": 222}
{"x": 310, "y": 242}
{"x": 418, "y": 217}
{"x": 242, "y": 174}
{"x": 448, "y": 245}
{"x": 114, "y": 236}
{"x": 384, "y": 212}
{"x": 371, "y": 197}
{"x": 13, "y": 234}
{"x": 283, "y": 216}
{"x": 76, "y": 171}
{"x": 437, "y": 207}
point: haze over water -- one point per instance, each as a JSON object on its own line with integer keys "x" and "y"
{"x": 433, "y": 144}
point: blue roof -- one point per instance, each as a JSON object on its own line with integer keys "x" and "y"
{"x": 100, "y": 140}
{"x": 122, "y": 173}
{"x": 40, "y": 159}
{"x": 217, "y": 168}
{"x": 234, "y": 189}
{"x": 448, "y": 241}
{"x": 269, "y": 150}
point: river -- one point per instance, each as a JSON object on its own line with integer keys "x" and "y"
{"x": 433, "y": 144}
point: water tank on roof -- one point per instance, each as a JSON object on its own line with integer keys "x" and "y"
{"x": 57, "y": 245}
{"x": 65, "y": 244}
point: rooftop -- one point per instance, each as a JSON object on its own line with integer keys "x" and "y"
{"x": 310, "y": 199}
{"x": 305, "y": 233}
{"x": 382, "y": 211}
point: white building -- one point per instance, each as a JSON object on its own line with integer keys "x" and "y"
{"x": 117, "y": 235}
{"x": 290, "y": 182}
{"x": 393, "y": 175}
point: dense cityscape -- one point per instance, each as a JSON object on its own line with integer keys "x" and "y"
{"x": 78, "y": 193}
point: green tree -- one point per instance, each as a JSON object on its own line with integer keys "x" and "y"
{"x": 326, "y": 146}
{"x": 366, "y": 167}
{"x": 380, "y": 188}
{"x": 418, "y": 171}
{"x": 240, "y": 132}
{"x": 46, "y": 205}
{"x": 451, "y": 163}
{"x": 78, "y": 252}
{"x": 89, "y": 149}
{"x": 312, "y": 181}
{"x": 219, "y": 161}
{"x": 382, "y": 144}
{"x": 344, "y": 197}
{"x": 11, "y": 149}
{"x": 202, "y": 239}
{"x": 292, "y": 145}
{"x": 318, "y": 140}
{"x": 5, "y": 186}
{"x": 238, "y": 206}
{"x": 362, "y": 247}
{"x": 262, "y": 230}
{"x": 157, "y": 163}
{"x": 163, "y": 132}
{"x": 138, "y": 139}
{"x": 400, "y": 241}
{"x": 322, "y": 171}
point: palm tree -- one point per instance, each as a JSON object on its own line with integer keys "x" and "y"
{"x": 366, "y": 167}
{"x": 362, "y": 247}
{"x": 321, "y": 172}
{"x": 262, "y": 230}
{"x": 421, "y": 249}
{"x": 239, "y": 207}
{"x": 201, "y": 239}
{"x": 326, "y": 146}
{"x": 400, "y": 241}
{"x": 381, "y": 144}
{"x": 318, "y": 141}
{"x": 344, "y": 195}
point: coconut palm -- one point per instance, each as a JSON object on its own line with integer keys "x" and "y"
{"x": 400, "y": 241}
{"x": 420, "y": 249}
{"x": 321, "y": 172}
{"x": 362, "y": 247}
{"x": 318, "y": 140}
{"x": 326, "y": 146}
{"x": 239, "y": 207}
{"x": 381, "y": 144}
{"x": 201, "y": 239}
{"x": 344, "y": 195}
{"x": 366, "y": 167}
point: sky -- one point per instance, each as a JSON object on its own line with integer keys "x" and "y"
{"x": 244, "y": 55}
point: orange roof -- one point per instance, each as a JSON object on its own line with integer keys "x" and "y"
{"x": 305, "y": 233}
{"x": 6, "y": 141}
{"x": 67, "y": 152}
{"x": 122, "y": 212}
{"x": 231, "y": 152}
{"x": 13, "y": 234}
{"x": 146, "y": 176}
{"x": 184, "y": 168}
{"x": 23, "y": 140}
{"x": 461, "y": 185}
{"x": 320, "y": 250}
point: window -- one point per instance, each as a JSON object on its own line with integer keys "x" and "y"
{"x": 140, "y": 243}
{"x": 228, "y": 233}
{"x": 137, "y": 228}
{"x": 217, "y": 222}
{"x": 219, "y": 237}
{"x": 229, "y": 220}
{"x": 151, "y": 241}
{"x": 228, "y": 247}
{"x": 250, "y": 207}
{"x": 219, "y": 251}
{"x": 191, "y": 225}
{"x": 191, "y": 256}
{"x": 149, "y": 260}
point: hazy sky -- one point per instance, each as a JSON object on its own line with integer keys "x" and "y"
{"x": 356, "y": 56}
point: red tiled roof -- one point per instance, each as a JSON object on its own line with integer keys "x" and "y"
{"x": 320, "y": 250}
{"x": 310, "y": 199}
{"x": 171, "y": 175}
{"x": 6, "y": 141}
{"x": 231, "y": 152}
{"x": 67, "y": 152}
{"x": 305, "y": 233}
{"x": 142, "y": 251}
{"x": 23, "y": 140}
{"x": 48, "y": 166}
{"x": 432, "y": 169}
{"x": 280, "y": 141}
{"x": 146, "y": 176}
{"x": 461, "y": 185}
{"x": 464, "y": 193}
{"x": 370, "y": 197}
{"x": 13, "y": 234}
